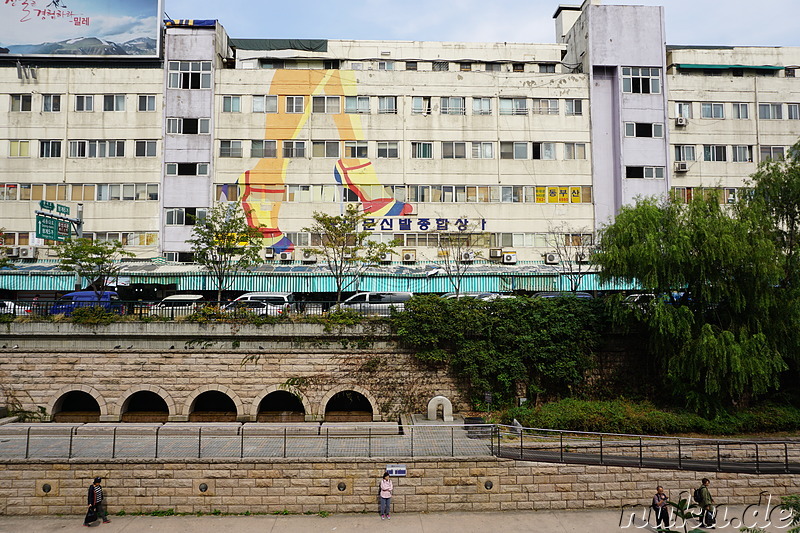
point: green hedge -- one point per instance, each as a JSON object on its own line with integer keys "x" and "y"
{"x": 621, "y": 416}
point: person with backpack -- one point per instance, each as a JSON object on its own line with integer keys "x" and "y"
{"x": 659, "y": 505}
{"x": 97, "y": 504}
{"x": 706, "y": 503}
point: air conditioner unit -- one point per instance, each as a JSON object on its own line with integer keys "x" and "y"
{"x": 27, "y": 252}
{"x": 582, "y": 258}
{"x": 285, "y": 256}
{"x": 309, "y": 256}
{"x": 409, "y": 256}
{"x": 681, "y": 121}
{"x": 681, "y": 166}
{"x": 12, "y": 251}
{"x": 467, "y": 257}
{"x": 495, "y": 253}
{"x": 269, "y": 253}
{"x": 385, "y": 257}
{"x": 52, "y": 252}
{"x": 551, "y": 259}
{"x": 509, "y": 257}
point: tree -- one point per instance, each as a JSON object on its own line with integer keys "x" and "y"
{"x": 97, "y": 261}
{"x": 714, "y": 273}
{"x": 346, "y": 247}
{"x": 224, "y": 243}
{"x": 574, "y": 248}
{"x": 457, "y": 251}
{"x": 5, "y": 261}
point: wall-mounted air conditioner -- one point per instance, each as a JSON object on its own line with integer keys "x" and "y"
{"x": 12, "y": 251}
{"x": 385, "y": 257}
{"x": 495, "y": 253}
{"x": 269, "y": 253}
{"x": 681, "y": 166}
{"x": 681, "y": 121}
{"x": 285, "y": 256}
{"x": 409, "y": 255}
{"x": 309, "y": 256}
{"x": 509, "y": 257}
{"x": 551, "y": 259}
{"x": 467, "y": 257}
{"x": 27, "y": 252}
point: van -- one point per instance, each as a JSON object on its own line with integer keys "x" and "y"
{"x": 177, "y": 305}
{"x": 67, "y": 304}
{"x": 377, "y": 303}
{"x": 275, "y": 302}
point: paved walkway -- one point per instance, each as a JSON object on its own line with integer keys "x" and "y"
{"x": 601, "y": 521}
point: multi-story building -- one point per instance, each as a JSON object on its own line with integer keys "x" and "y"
{"x": 510, "y": 143}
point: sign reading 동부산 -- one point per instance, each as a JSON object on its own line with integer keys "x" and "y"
{"x": 93, "y": 28}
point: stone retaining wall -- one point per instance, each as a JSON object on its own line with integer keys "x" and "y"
{"x": 298, "y": 486}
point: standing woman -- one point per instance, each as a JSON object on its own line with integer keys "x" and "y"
{"x": 385, "y": 494}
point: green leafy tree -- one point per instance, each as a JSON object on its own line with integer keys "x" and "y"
{"x": 224, "y": 243}
{"x": 714, "y": 273}
{"x": 5, "y": 261}
{"x": 96, "y": 261}
{"x": 345, "y": 246}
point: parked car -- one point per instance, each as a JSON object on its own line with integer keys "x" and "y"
{"x": 377, "y": 303}
{"x": 476, "y": 295}
{"x": 8, "y": 307}
{"x": 256, "y": 307}
{"x": 563, "y": 294}
{"x": 276, "y": 302}
{"x": 71, "y": 301}
{"x": 177, "y": 305}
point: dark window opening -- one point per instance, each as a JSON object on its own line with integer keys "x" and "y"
{"x": 348, "y": 406}
{"x": 145, "y": 406}
{"x": 213, "y": 406}
{"x": 281, "y": 406}
{"x": 76, "y": 406}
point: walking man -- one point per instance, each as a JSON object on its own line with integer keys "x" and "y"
{"x": 706, "y": 503}
{"x": 97, "y": 504}
{"x": 660, "y": 507}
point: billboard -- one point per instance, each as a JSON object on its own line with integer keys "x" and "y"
{"x": 80, "y": 28}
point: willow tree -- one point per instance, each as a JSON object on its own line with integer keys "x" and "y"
{"x": 715, "y": 273}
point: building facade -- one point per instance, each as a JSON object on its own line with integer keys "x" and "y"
{"x": 510, "y": 145}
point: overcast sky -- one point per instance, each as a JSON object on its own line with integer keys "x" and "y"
{"x": 723, "y": 22}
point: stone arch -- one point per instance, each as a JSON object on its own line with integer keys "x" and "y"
{"x": 278, "y": 388}
{"x": 91, "y": 391}
{"x": 376, "y": 414}
{"x": 447, "y": 408}
{"x": 155, "y": 389}
{"x": 187, "y": 406}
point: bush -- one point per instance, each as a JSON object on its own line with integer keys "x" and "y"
{"x": 93, "y": 315}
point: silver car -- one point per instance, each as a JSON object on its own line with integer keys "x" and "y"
{"x": 7, "y": 307}
{"x": 377, "y": 303}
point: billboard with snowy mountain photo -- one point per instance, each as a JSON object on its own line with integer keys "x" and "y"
{"x": 106, "y": 28}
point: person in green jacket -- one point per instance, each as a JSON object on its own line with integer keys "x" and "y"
{"x": 706, "y": 504}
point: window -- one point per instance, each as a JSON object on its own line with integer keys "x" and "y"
{"x": 644, "y": 172}
{"x": 385, "y": 65}
{"x": 49, "y": 148}
{"x": 573, "y": 107}
{"x": 441, "y": 66}
{"x": 790, "y": 72}
{"x": 356, "y": 104}
{"x": 420, "y": 105}
{"x": 175, "y": 217}
{"x": 741, "y": 111}
{"x": 265, "y": 103}
{"x": 147, "y": 102}
{"x": 641, "y": 80}
{"x": 544, "y": 150}
{"x": 454, "y": 150}
{"x": 771, "y": 152}
{"x": 294, "y": 148}
{"x": 411, "y": 65}
{"x": 793, "y": 111}
{"x": 643, "y": 129}
{"x": 742, "y": 154}
{"x": 421, "y": 150}
{"x": 51, "y": 103}
{"x": 189, "y": 75}
{"x": 574, "y": 151}
{"x": 263, "y": 148}
{"x": 548, "y": 68}
{"x": 465, "y": 67}
{"x": 513, "y": 106}
{"x": 684, "y": 152}
{"x": 19, "y": 149}
{"x": 545, "y": 106}
{"x": 513, "y": 150}
{"x": 188, "y": 126}
{"x": 228, "y": 192}
{"x": 712, "y": 110}
{"x": 491, "y": 67}
{"x": 482, "y": 150}
{"x": 453, "y": 105}
{"x": 145, "y": 148}
{"x": 714, "y": 152}
{"x": 683, "y": 109}
{"x": 518, "y": 67}
{"x": 769, "y": 111}
{"x": 328, "y": 105}
{"x": 355, "y": 65}
{"x": 20, "y": 102}
{"x": 387, "y": 105}
{"x": 481, "y": 106}
{"x": 295, "y": 104}
{"x": 325, "y": 149}
{"x": 84, "y": 102}
{"x": 113, "y": 102}
{"x": 387, "y": 150}
{"x": 96, "y": 148}
{"x": 83, "y": 193}
{"x": 231, "y": 104}
{"x": 355, "y": 149}
{"x": 187, "y": 169}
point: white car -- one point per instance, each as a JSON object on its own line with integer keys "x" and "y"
{"x": 7, "y": 307}
{"x": 177, "y": 305}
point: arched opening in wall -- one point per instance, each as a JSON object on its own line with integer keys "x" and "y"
{"x": 212, "y": 406}
{"x": 145, "y": 406}
{"x": 348, "y": 406}
{"x": 281, "y": 406}
{"x": 76, "y": 406}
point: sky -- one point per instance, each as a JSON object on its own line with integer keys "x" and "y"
{"x": 696, "y": 22}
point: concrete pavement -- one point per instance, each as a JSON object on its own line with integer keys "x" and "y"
{"x": 594, "y": 521}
